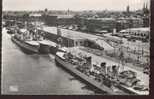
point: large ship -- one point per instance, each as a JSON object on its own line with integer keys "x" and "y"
{"x": 47, "y": 46}
{"x": 25, "y": 39}
{"x": 102, "y": 77}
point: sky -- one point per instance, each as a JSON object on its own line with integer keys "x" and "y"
{"x": 76, "y": 5}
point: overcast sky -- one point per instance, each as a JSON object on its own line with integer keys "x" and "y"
{"x": 72, "y": 4}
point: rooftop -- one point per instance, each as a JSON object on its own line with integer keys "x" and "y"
{"x": 35, "y": 14}
{"x": 146, "y": 29}
{"x": 65, "y": 16}
{"x": 102, "y": 19}
{"x": 47, "y": 42}
{"x": 70, "y": 33}
{"x": 75, "y": 35}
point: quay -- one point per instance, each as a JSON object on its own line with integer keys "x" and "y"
{"x": 73, "y": 38}
{"x": 77, "y": 42}
{"x": 97, "y": 59}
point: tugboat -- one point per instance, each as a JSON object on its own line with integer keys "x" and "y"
{"x": 104, "y": 78}
{"x": 26, "y": 40}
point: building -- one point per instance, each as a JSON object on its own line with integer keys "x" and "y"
{"x": 128, "y": 11}
{"x": 69, "y": 38}
{"x": 50, "y": 20}
{"x": 35, "y": 16}
{"x": 54, "y": 19}
{"x": 129, "y": 22}
{"x": 65, "y": 19}
{"x": 140, "y": 33}
{"x": 20, "y": 16}
{"x": 146, "y": 16}
{"x": 98, "y": 24}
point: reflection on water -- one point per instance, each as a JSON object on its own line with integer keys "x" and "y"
{"x": 35, "y": 74}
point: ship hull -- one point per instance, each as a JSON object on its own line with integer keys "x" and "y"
{"x": 47, "y": 47}
{"x": 27, "y": 48}
{"x": 44, "y": 49}
{"x": 69, "y": 67}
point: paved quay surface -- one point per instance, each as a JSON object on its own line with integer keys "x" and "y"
{"x": 138, "y": 45}
{"x": 76, "y": 34}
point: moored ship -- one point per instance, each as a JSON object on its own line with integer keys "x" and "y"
{"x": 102, "y": 78}
{"x": 24, "y": 39}
{"x": 47, "y": 46}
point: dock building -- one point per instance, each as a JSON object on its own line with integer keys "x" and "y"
{"x": 140, "y": 33}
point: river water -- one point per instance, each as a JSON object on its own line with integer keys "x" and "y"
{"x": 24, "y": 74}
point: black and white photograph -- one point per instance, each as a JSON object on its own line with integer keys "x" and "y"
{"x": 75, "y": 47}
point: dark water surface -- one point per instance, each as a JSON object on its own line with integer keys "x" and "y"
{"x": 24, "y": 74}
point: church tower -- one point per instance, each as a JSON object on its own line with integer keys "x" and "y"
{"x": 128, "y": 9}
{"x": 146, "y": 12}
{"x": 145, "y": 9}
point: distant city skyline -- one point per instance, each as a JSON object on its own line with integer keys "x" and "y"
{"x": 76, "y": 5}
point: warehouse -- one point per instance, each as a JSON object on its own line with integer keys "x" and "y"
{"x": 70, "y": 38}
{"x": 137, "y": 32}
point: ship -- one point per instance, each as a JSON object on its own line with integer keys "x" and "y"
{"x": 25, "y": 41}
{"x": 113, "y": 83}
{"x": 47, "y": 46}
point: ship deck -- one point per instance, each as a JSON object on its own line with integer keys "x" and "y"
{"x": 47, "y": 42}
{"x": 35, "y": 43}
{"x": 25, "y": 45}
